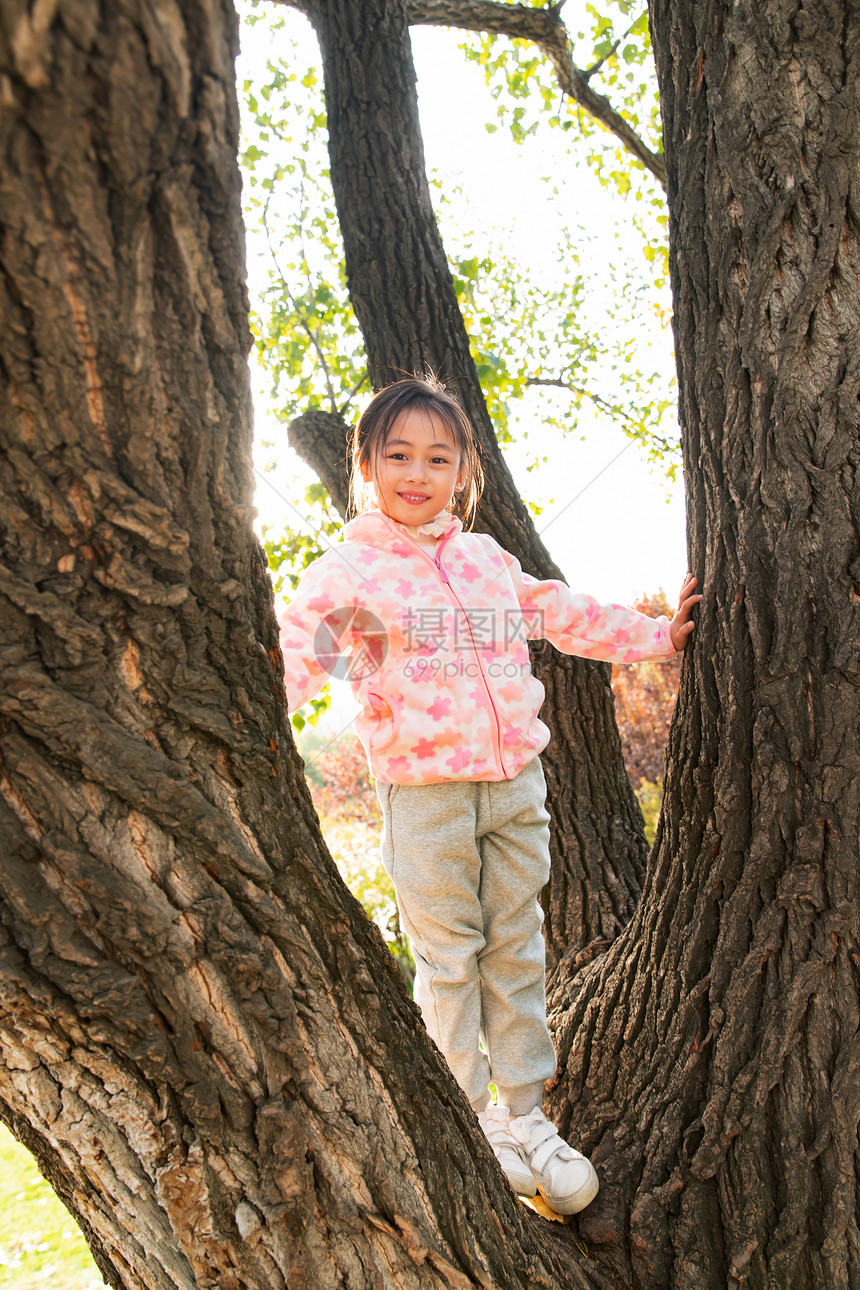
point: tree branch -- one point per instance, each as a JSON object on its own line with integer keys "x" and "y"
{"x": 613, "y": 49}
{"x": 545, "y": 28}
{"x": 321, "y": 439}
{"x": 313, "y": 336}
{"x": 609, "y": 408}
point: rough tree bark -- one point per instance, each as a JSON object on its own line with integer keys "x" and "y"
{"x": 202, "y": 1039}
{"x": 713, "y": 1055}
{"x": 404, "y": 298}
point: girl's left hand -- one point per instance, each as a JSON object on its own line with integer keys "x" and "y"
{"x": 681, "y": 625}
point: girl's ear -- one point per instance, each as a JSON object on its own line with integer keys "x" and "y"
{"x": 364, "y": 471}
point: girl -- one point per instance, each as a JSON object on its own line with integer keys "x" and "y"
{"x": 433, "y": 623}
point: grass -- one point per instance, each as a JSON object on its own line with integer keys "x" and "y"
{"x": 41, "y": 1247}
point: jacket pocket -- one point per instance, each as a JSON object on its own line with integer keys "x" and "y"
{"x": 386, "y": 716}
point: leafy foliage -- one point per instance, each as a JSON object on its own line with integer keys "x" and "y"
{"x": 525, "y": 329}
{"x": 612, "y": 44}
{"x": 290, "y": 551}
{"x": 613, "y": 47}
{"x": 545, "y": 343}
{"x": 650, "y": 794}
{"x": 306, "y": 335}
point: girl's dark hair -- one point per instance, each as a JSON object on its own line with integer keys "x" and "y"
{"x": 429, "y": 395}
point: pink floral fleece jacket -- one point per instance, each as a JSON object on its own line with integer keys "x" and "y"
{"x": 433, "y": 641}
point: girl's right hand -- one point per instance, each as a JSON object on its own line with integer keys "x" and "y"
{"x": 682, "y": 625}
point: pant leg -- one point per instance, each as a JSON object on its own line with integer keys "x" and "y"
{"x": 513, "y": 838}
{"x": 430, "y": 852}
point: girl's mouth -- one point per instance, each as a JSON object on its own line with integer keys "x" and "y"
{"x": 414, "y": 499}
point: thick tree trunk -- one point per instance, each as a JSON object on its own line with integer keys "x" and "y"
{"x": 713, "y": 1054}
{"x": 403, "y": 295}
{"x": 202, "y": 1039}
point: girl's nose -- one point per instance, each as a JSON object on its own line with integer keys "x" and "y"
{"x": 416, "y": 472}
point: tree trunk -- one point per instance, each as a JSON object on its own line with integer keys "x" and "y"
{"x": 202, "y": 1039}
{"x": 713, "y": 1055}
{"x": 404, "y": 298}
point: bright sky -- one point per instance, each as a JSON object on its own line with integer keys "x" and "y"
{"x": 614, "y": 525}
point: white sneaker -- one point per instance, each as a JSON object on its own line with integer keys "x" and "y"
{"x": 508, "y": 1152}
{"x": 564, "y": 1178}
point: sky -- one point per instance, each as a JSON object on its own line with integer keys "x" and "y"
{"x": 614, "y": 525}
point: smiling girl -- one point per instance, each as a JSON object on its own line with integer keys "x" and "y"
{"x": 434, "y": 624}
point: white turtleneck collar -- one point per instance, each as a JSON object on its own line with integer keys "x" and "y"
{"x": 435, "y": 528}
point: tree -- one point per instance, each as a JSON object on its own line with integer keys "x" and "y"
{"x": 203, "y": 1041}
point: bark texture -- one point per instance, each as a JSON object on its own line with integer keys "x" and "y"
{"x": 401, "y": 289}
{"x": 202, "y": 1039}
{"x": 713, "y": 1054}
{"x": 322, "y": 441}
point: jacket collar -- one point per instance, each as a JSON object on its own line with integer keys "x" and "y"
{"x": 376, "y": 529}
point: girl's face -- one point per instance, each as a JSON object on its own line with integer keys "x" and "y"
{"x": 418, "y": 469}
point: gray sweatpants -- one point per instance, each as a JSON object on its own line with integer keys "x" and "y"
{"x": 468, "y": 861}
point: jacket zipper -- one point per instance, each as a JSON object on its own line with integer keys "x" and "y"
{"x": 446, "y": 581}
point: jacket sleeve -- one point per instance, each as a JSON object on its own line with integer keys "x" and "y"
{"x": 579, "y": 624}
{"x": 310, "y": 627}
